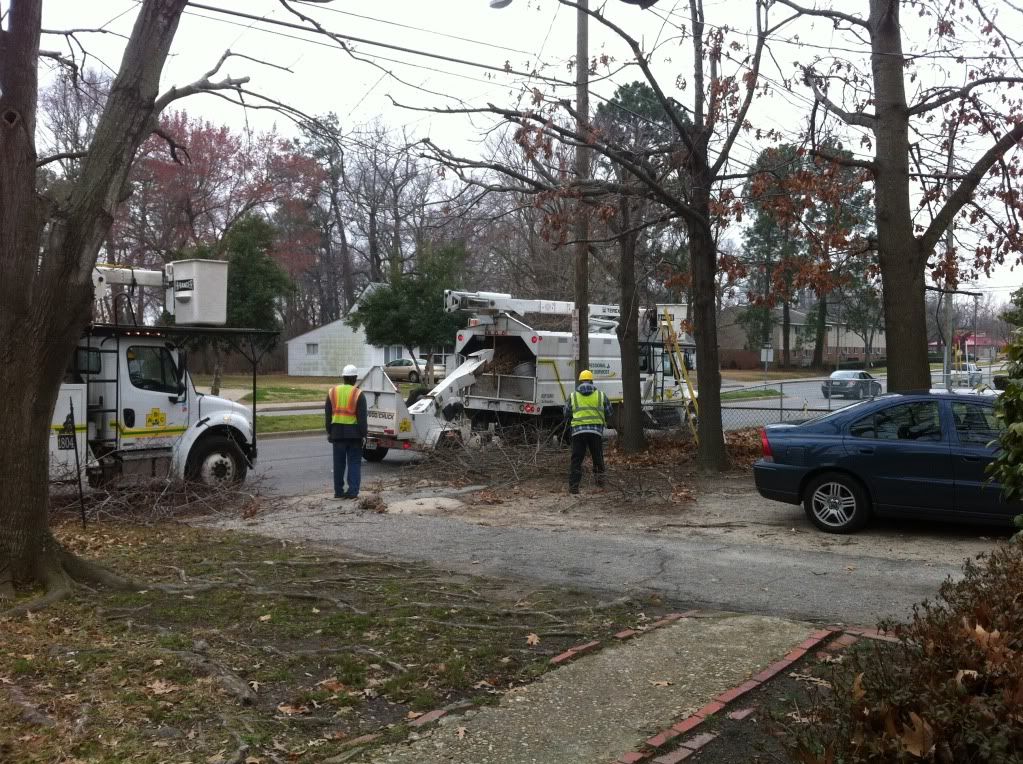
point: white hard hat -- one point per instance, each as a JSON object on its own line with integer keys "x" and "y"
{"x": 349, "y": 371}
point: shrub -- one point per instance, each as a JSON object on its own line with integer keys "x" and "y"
{"x": 949, "y": 691}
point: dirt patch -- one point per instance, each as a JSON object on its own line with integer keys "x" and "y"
{"x": 242, "y": 647}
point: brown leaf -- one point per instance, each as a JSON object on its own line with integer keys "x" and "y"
{"x": 858, "y": 692}
{"x": 160, "y": 687}
{"x": 331, "y": 684}
{"x": 413, "y": 715}
{"x": 532, "y": 639}
{"x": 265, "y": 618}
{"x": 461, "y": 732}
{"x": 661, "y": 683}
{"x": 918, "y": 740}
{"x": 289, "y": 710}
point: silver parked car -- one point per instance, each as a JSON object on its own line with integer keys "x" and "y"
{"x": 404, "y": 370}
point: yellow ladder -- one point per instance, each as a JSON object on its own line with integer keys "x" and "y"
{"x": 681, "y": 374}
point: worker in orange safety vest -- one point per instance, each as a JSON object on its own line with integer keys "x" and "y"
{"x": 346, "y": 430}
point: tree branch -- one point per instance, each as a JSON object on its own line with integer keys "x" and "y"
{"x": 751, "y": 87}
{"x": 861, "y": 119}
{"x": 62, "y": 155}
{"x": 952, "y": 94}
{"x": 204, "y": 84}
{"x": 644, "y": 65}
{"x": 964, "y": 191}
{"x": 835, "y": 16}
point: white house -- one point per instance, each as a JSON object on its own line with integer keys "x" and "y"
{"x": 325, "y": 350}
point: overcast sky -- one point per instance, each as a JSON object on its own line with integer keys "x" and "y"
{"x": 528, "y": 35}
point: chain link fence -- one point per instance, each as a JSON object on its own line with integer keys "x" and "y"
{"x": 796, "y": 400}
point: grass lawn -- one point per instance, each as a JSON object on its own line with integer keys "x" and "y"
{"x": 752, "y": 375}
{"x": 286, "y": 394}
{"x": 288, "y": 423}
{"x": 241, "y": 648}
{"x": 750, "y": 395}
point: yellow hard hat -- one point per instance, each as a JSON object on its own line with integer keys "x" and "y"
{"x": 585, "y": 375}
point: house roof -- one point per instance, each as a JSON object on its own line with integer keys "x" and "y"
{"x": 369, "y": 289}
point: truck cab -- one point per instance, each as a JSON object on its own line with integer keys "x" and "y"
{"x": 144, "y": 416}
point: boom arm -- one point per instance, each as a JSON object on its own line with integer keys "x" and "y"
{"x": 496, "y": 302}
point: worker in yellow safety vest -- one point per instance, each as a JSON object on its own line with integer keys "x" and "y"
{"x": 346, "y": 430}
{"x": 588, "y": 411}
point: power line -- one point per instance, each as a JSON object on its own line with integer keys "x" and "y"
{"x": 320, "y": 6}
{"x": 377, "y": 43}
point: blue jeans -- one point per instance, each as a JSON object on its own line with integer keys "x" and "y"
{"x": 350, "y": 452}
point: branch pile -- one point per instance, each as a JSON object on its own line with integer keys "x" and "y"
{"x": 158, "y": 500}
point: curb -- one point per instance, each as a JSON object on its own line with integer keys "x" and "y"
{"x": 664, "y": 739}
{"x": 290, "y": 434}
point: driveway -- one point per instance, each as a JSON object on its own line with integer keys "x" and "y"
{"x": 729, "y": 550}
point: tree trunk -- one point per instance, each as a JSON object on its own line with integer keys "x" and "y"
{"x": 48, "y": 254}
{"x": 901, "y": 261}
{"x": 703, "y": 262}
{"x": 630, "y": 434}
{"x": 786, "y": 325}
{"x": 375, "y": 270}
{"x": 822, "y": 331}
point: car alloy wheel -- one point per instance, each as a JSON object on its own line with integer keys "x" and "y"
{"x": 836, "y": 503}
{"x": 833, "y": 504}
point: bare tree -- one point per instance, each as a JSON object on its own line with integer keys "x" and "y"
{"x": 911, "y": 138}
{"x": 687, "y": 176}
{"x": 49, "y": 240}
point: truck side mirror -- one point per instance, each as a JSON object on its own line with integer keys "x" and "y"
{"x": 182, "y": 371}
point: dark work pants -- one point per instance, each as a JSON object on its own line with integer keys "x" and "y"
{"x": 347, "y": 453}
{"x": 581, "y": 443}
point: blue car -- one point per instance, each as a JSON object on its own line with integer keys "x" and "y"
{"x": 920, "y": 455}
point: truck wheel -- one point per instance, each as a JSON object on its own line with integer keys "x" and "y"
{"x": 374, "y": 454}
{"x": 216, "y": 461}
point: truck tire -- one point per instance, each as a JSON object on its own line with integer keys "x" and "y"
{"x": 216, "y": 460}
{"x": 374, "y": 454}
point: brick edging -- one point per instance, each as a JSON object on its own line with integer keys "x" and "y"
{"x": 658, "y": 743}
{"x": 574, "y": 652}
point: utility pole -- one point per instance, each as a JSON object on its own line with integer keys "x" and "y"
{"x": 582, "y": 171}
{"x": 949, "y": 247}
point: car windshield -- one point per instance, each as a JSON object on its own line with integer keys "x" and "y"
{"x": 845, "y": 375}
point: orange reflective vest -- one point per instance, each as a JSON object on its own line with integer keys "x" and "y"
{"x": 344, "y": 402}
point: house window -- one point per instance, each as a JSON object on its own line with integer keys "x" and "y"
{"x": 312, "y": 348}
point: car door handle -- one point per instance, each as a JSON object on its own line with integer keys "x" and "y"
{"x": 971, "y": 458}
{"x": 866, "y": 450}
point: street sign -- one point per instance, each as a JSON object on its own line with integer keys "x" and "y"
{"x": 766, "y": 354}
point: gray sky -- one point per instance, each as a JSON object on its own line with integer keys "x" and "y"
{"x": 528, "y": 35}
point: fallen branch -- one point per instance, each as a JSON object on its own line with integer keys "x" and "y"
{"x": 233, "y": 684}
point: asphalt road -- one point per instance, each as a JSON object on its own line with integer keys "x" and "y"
{"x": 292, "y": 466}
{"x": 702, "y": 573}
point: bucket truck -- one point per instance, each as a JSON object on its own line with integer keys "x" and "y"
{"x": 515, "y": 372}
{"x": 128, "y": 406}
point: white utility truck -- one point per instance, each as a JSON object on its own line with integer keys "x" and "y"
{"x": 128, "y": 406}
{"x": 518, "y": 372}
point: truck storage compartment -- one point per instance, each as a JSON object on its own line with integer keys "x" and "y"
{"x": 511, "y": 375}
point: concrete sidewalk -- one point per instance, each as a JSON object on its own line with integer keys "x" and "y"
{"x": 606, "y": 704}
